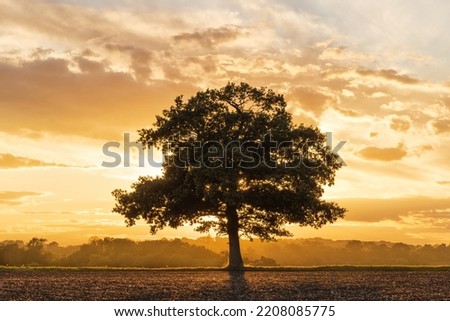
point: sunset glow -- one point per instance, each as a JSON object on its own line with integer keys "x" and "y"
{"x": 76, "y": 74}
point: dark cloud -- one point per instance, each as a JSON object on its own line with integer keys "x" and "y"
{"x": 12, "y": 161}
{"x": 210, "y": 37}
{"x": 383, "y": 154}
{"x": 15, "y": 198}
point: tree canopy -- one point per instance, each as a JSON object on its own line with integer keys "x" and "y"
{"x": 235, "y": 163}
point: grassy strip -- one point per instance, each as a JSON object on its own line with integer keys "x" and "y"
{"x": 247, "y": 268}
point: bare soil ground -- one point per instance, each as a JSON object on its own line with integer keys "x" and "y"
{"x": 87, "y": 285}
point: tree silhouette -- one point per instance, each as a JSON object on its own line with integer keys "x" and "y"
{"x": 234, "y": 163}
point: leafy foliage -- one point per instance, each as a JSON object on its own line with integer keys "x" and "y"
{"x": 267, "y": 186}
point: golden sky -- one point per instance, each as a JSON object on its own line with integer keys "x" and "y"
{"x": 75, "y": 74}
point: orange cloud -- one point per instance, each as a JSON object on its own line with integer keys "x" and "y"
{"x": 389, "y": 74}
{"x": 348, "y": 112}
{"x": 207, "y": 63}
{"x": 15, "y": 198}
{"x": 46, "y": 96}
{"x": 373, "y": 210}
{"x": 400, "y": 123}
{"x": 210, "y": 37}
{"x": 87, "y": 65}
{"x": 55, "y": 19}
{"x": 441, "y": 126}
{"x": 140, "y": 59}
{"x": 343, "y": 53}
{"x": 383, "y": 154}
{"x": 11, "y": 161}
{"x": 308, "y": 98}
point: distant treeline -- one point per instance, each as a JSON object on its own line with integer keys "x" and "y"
{"x": 208, "y": 251}
{"x": 109, "y": 252}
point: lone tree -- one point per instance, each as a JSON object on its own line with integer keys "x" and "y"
{"x": 235, "y": 163}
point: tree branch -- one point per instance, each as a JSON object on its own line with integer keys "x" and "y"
{"x": 234, "y": 105}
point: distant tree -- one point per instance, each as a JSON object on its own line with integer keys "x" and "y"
{"x": 36, "y": 243}
{"x": 12, "y": 253}
{"x": 234, "y": 163}
{"x": 53, "y": 244}
{"x": 35, "y": 253}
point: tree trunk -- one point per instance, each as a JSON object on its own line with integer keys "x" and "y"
{"x": 235, "y": 259}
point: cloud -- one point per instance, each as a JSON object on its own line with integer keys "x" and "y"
{"x": 343, "y": 53}
{"x": 373, "y": 210}
{"x": 140, "y": 59}
{"x": 308, "y": 98}
{"x": 47, "y": 96}
{"x": 443, "y": 182}
{"x": 210, "y": 37}
{"x": 440, "y": 126}
{"x": 12, "y": 161}
{"x": 58, "y": 20}
{"x": 389, "y": 74}
{"x": 348, "y": 112}
{"x": 88, "y": 66}
{"x": 400, "y": 123}
{"x": 347, "y": 93}
{"x": 378, "y": 94}
{"x": 383, "y": 154}
{"x": 16, "y": 198}
{"x": 437, "y": 111}
{"x": 207, "y": 63}
{"x": 395, "y": 105}
{"x": 421, "y": 149}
